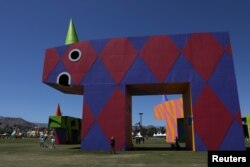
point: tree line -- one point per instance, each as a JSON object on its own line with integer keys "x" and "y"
{"x": 148, "y": 131}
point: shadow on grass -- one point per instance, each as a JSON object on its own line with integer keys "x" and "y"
{"x": 151, "y": 149}
{"x": 156, "y": 149}
{"x": 143, "y": 149}
{"x": 75, "y": 148}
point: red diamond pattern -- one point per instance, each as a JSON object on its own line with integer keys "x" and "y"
{"x": 114, "y": 112}
{"x": 80, "y": 68}
{"x": 203, "y": 52}
{"x": 87, "y": 119}
{"x": 237, "y": 118}
{"x": 212, "y": 119}
{"x": 160, "y": 53}
{"x": 117, "y": 56}
{"x": 51, "y": 59}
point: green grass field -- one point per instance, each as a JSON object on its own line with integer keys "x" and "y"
{"x": 27, "y": 152}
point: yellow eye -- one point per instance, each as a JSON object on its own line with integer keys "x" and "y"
{"x": 75, "y": 55}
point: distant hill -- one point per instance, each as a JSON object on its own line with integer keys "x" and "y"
{"x": 12, "y": 122}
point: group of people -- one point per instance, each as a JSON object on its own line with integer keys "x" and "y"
{"x": 43, "y": 139}
{"x": 139, "y": 139}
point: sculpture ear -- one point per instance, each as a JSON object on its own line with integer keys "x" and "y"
{"x": 71, "y": 35}
{"x": 58, "y": 111}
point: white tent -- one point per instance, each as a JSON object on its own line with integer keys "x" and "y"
{"x": 138, "y": 135}
{"x": 159, "y": 135}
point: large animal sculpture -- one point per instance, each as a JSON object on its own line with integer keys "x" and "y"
{"x": 108, "y": 72}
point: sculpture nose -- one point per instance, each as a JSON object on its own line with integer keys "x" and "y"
{"x": 64, "y": 79}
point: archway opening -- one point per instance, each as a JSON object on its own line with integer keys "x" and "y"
{"x": 177, "y": 89}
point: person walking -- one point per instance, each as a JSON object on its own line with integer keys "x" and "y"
{"x": 52, "y": 140}
{"x": 41, "y": 139}
{"x": 177, "y": 145}
{"x": 112, "y": 144}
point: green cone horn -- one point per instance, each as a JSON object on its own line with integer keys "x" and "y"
{"x": 71, "y": 35}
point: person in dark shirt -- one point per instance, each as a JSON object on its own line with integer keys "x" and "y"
{"x": 177, "y": 146}
{"x": 112, "y": 144}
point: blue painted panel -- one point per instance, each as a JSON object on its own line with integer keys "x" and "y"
{"x": 97, "y": 95}
{"x": 223, "y": 82}
{"x": 98, "y": 45}
{"x": 98, "y": 74}
{"x": 222, "y": 38}
{"x": 59, "y": 68}
{"x": 199, "y": 145}
{"x": 138, "y": 42}
{"x": 234, "y": 139}
{"x": 196, "y": 88}
{"x": 61, "y": 50}
{"x": 179, "y": 40}
{"x": 139, "y": 73}
{"x": 122, "y": 88}
{"x": 183, "y": 71}
{"x": 95, "y": 140}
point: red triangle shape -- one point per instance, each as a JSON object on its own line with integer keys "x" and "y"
{"x": 51, "y": 59}
{"x": 87, "y": 119}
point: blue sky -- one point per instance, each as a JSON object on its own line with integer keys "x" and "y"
{"x": 28, "y": 27}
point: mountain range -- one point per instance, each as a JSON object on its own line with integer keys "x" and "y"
{"x": 12, "y": 122}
